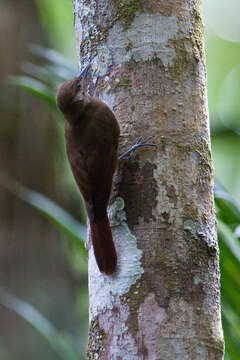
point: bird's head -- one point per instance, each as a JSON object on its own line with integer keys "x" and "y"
{"x": 72, "y": 92}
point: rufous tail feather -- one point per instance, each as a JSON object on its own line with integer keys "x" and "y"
{"x": 103, "y": 245}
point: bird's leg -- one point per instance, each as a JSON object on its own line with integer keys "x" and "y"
{"x": 140, "y": 142}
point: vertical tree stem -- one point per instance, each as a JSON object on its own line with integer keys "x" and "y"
{"x": 148, "y": 65}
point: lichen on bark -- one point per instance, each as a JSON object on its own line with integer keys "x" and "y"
{"x": 96, "y": 337}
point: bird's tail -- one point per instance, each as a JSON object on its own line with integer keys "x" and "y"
{"x": 103, "y": 245}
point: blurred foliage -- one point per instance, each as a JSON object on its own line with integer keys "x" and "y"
{"x": 60, "y": 343}
{"x": 222, "y": 35}
{"x": 43, "y": 80}
{"x": 57, "y": 22}
{"x": 223, "y": 69}
{"x": 74, "y": 231}
{"x": 228, "y": 222}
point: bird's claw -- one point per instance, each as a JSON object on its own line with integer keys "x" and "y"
{"x": 140, "y": 142}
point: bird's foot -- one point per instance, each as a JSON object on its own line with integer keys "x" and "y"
{"x": 140, "y": 142}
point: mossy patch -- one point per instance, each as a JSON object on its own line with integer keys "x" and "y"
{"x": 129, "y": 46}
{"x": 135, "y": 298}
{"x": 188, "y": 49}
{"x": 126, "y": 10}
{"x": 125, "y": 81}
{"x": 131, "y": 64}
{"x": 183, "y": 60}
{"x": 197, "y": 35}
{"x": 191, "y": 211}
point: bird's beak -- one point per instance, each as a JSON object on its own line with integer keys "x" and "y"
{"x": 83, "y": 73}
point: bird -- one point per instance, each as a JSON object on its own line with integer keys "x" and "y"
{"x": 92, "y": 136}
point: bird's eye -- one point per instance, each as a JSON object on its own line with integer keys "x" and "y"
{"x": 78, "y": 85}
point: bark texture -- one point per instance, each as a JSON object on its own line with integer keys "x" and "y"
{"x": 148, "y": 65}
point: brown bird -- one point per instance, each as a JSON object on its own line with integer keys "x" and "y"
{"x": 92, "y": 134}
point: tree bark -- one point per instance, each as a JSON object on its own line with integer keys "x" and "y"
{"x": 148, "y": 66}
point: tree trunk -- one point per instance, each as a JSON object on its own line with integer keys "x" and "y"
{"x": 148, "y": 66}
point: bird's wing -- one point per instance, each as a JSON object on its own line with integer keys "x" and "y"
{"x": 93, "y": 173}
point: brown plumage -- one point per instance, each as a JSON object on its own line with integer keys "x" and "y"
{"x": 92, "y": 134}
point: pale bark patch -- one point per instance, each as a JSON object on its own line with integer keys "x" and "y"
{"x": 147, "y": 38}
{"x": 105, "y": 289}
{"x": 120, "y": 343}
{"x": 150, "y": 318}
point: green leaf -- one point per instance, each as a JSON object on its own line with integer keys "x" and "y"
{"x": 229, "y": 211}
{"x": 64, "y": 221}
{"x": 231, "y": 332}
{"x": 35, "y": 87}
{"x": 55, "y": 58}
{"x": 52, "y": 74}
{"x": 59, "y": 342}
{"x": 230, "y": 283}
{"x": 230, "y": 240}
